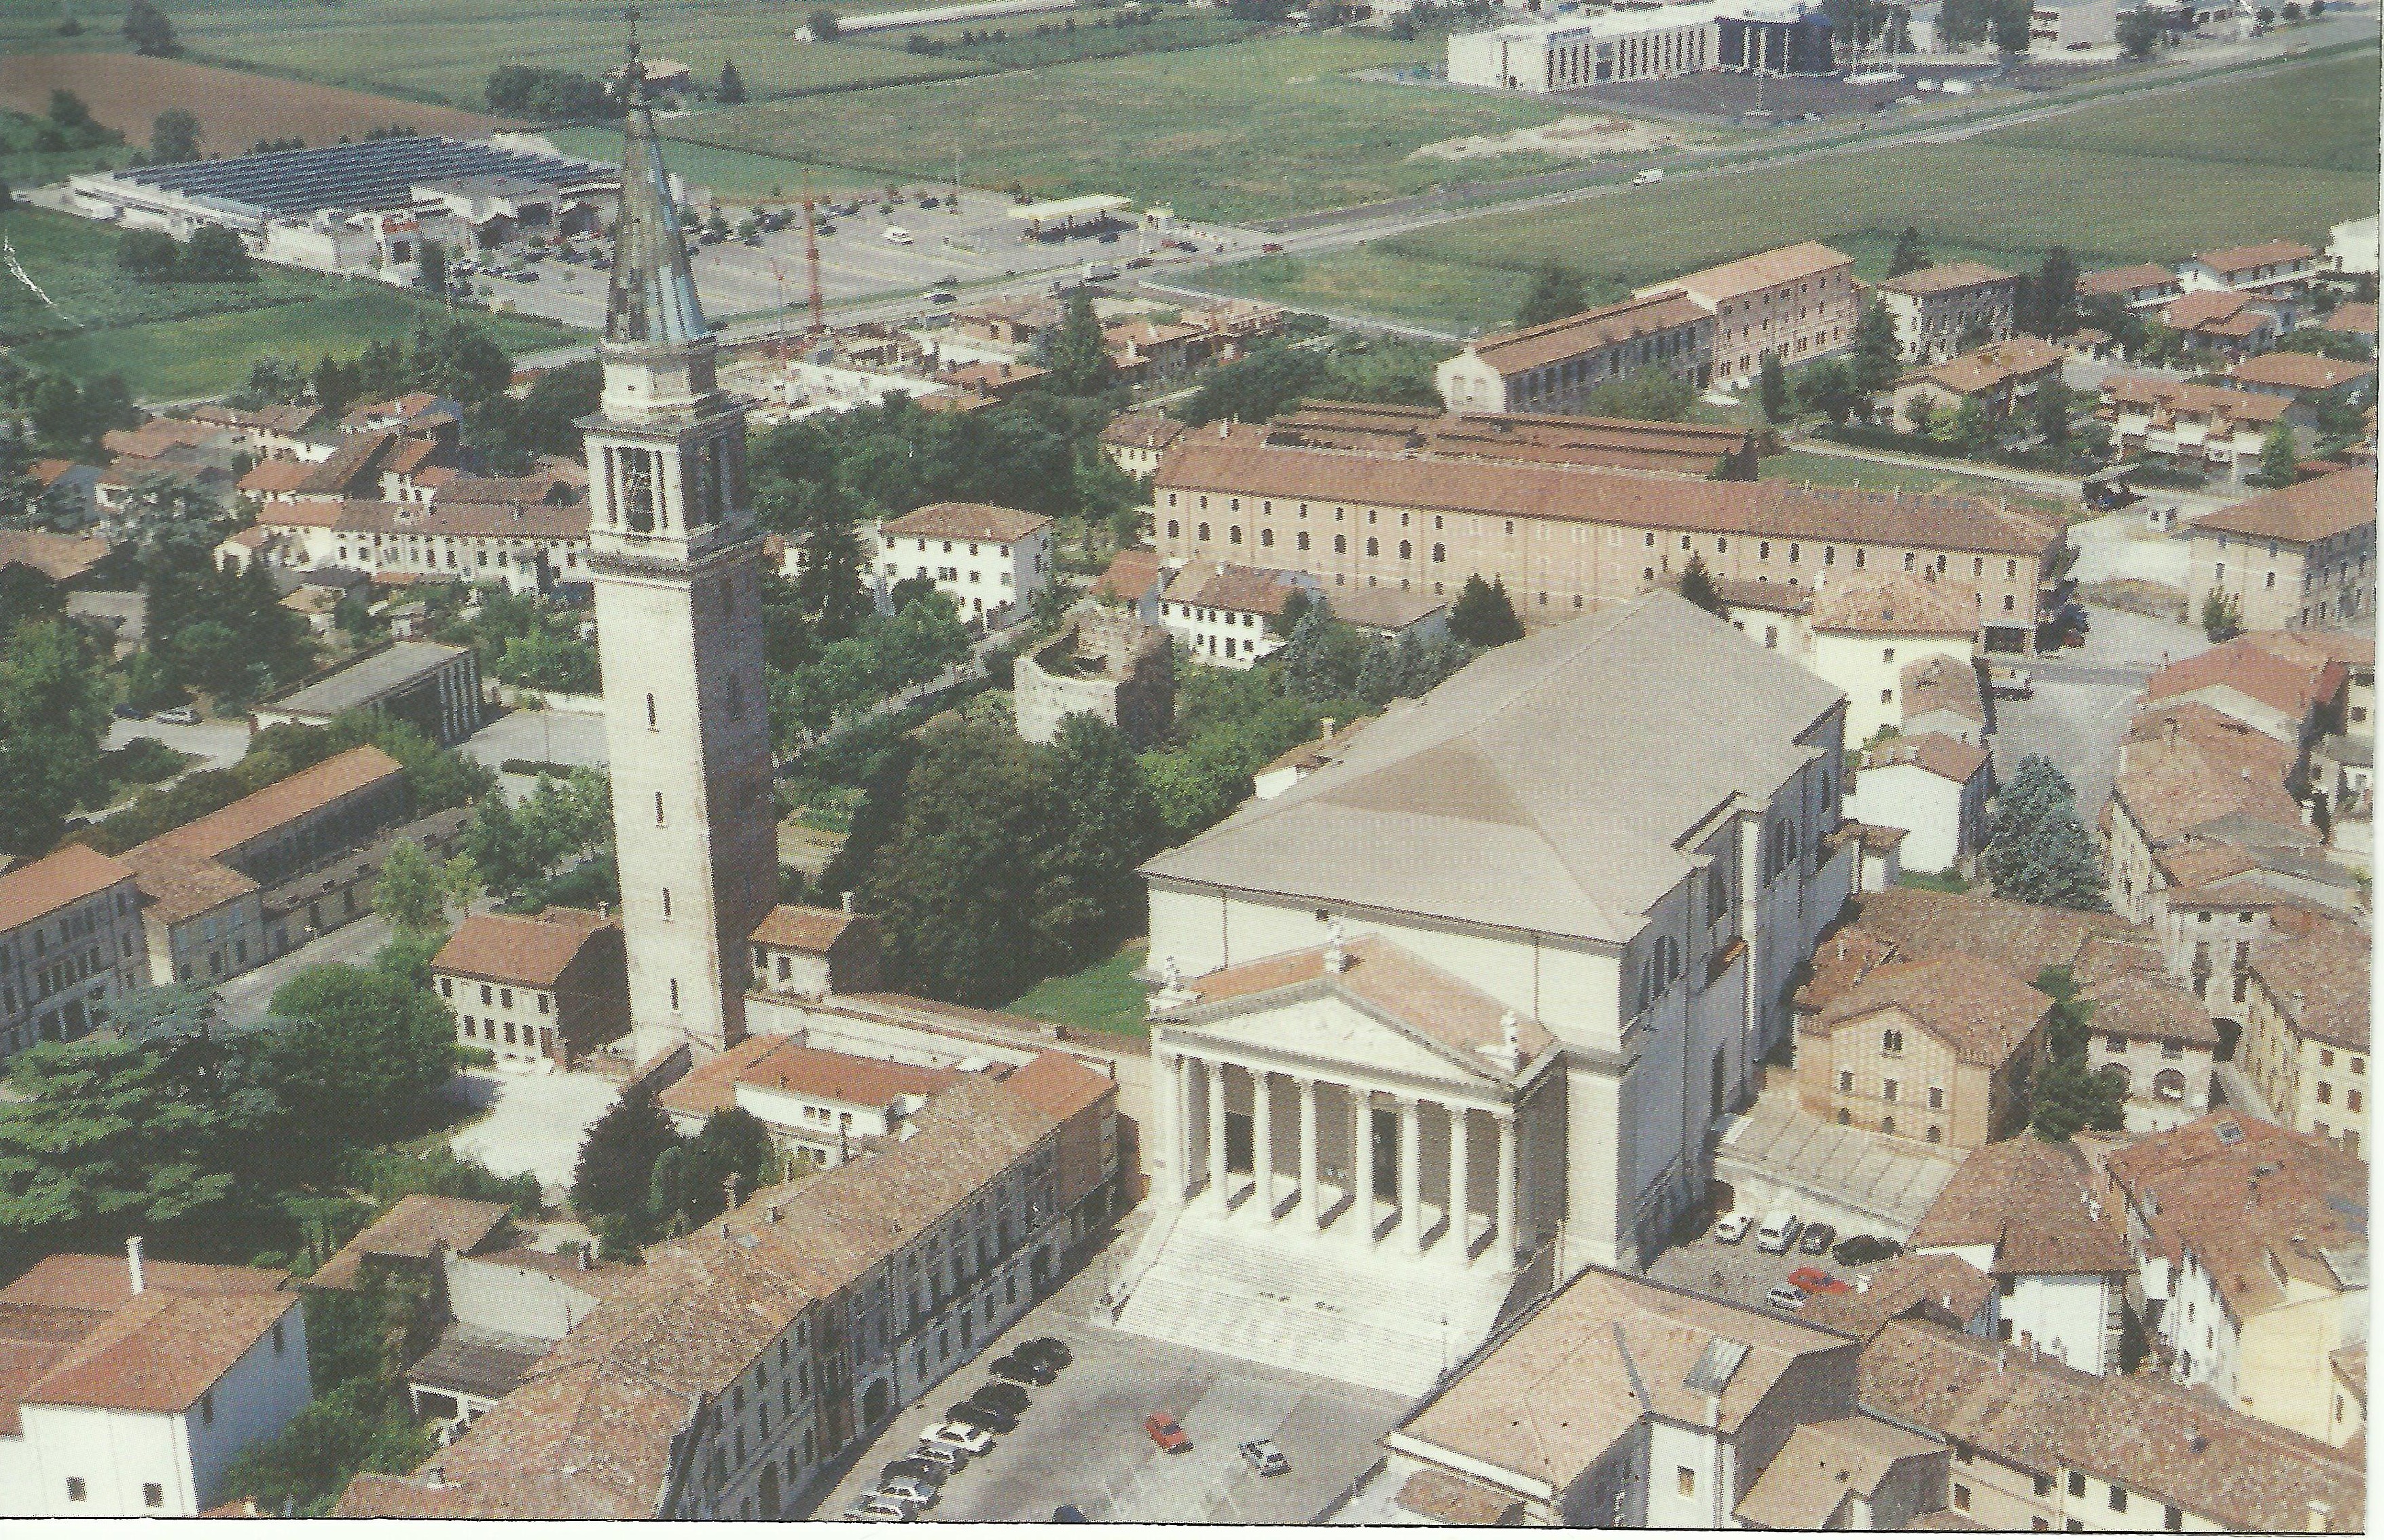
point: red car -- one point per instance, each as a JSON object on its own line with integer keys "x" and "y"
{"x": 1164, "y": 1433}
{"x": 1812, "y": 1280}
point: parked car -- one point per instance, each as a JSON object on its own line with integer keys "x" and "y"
{"x": 1165, "y": 1433}
{"x": 1069, "y": 1513}
{"x": 1779, "y": 1231}
{"x": 1648, "y": 178}
{"x": 1262, "y": 1456}
{"x": 918, "y": 1470}
{"x": 879, "y": 1495}
{"x": 180, "y": 717}
{"x": 874, "y": 1511}
{"x": 919, "y": 1494}
{"x": 957, "y": 1435}
{"x": 131, "y": 714}
{"x": 945, "y": 1455}
{"x": 1732, "y": 1228}
{"x": 1137, "y": 262}
{"x": 941, "y": 296}
{"x": 1010, "y": 1366}
{"x": 992, "y": 1420}
{"x": 1780, "y": 1296}
{"x": 895, "y": 233}
{"x": 1812, "y": 1280}
{"x": 998, "y": 1393}
{"x": 1045, "y": 1349}
{"x": 1863, "y": 1250}
{"x": 1098, "y": 272}
{"x": 1817, "y": 1239}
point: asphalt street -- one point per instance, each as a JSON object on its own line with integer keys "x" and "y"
{"x": 2083, "y": 697}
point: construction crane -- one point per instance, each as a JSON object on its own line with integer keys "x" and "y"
{"x": 811, "y": 258}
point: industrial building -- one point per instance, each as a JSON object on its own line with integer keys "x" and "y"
{"x": 364, "y": 208}
{"x": 1559, "y": 53}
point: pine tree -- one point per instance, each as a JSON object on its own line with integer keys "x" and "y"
{"x": 2040, "y": 853}
{"x": 1484, "y": 616}
{"x": 617, "y": 1160}
{"x": 1910, "y": 256}
{"x": 732, "y": 84}
{"x": 1877, "y": 354}
{"x": 2069, "y": 1096}
{"x": 2281, "y": 456}
{"x": 1079, "y": 357}
{"x": 1771, "y": 384}
{"x": 1697, "y": 588}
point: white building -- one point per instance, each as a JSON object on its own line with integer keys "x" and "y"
{"x": 527, "y": 547}
{"x": 819, "y": 1105}
{"x": 1222, "y": 612}
{"x": 1932, "y": 787}
{"x": 1864, "y": 632}
{"x": 1479, "y": 985}
{"x": 2030, "y": 1216}
{"x": 677, "y": 561}
{"x": 2351, "y": 246}
{"x": 1768, "y": 37}
{"x": 991, "y": 559}
{"x": 132, "y": 1385}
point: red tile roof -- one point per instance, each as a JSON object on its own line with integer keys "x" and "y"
{"x": 412, "y": 1230}
{"x": 68, "y": 875}
{"x": 292, "y": 796}
{"x": 2306, "y": 512}
{"x": 1949, "y": 758}
{"x": 532, "y": 950}
{"x": 2035, "y": 1203}
{"x": 2265, "y": 254}
{"x": 1512, "y": 353}
{"x": 2118, "y": 280}
{"x": 1945, "y": 277}
{"x": 2272, "y": 667}
{"x": 967, "y": 521}
{"x": 1131, "y": 574}
{"x": 73, "y": 1333}
{"x": 1982, "y": 1013}
{"x": 2299, "y": 371}
{"x": 801, "y": 927}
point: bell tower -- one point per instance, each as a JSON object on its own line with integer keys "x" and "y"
{"x": 675, "y": 557}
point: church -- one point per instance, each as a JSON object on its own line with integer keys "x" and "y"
{"x": 1455, "y": 1016}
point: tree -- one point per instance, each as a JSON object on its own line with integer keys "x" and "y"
{"x": 2221, "y": 617}
{"x": 732, "y": 84}
{"x": 1556, "y": 292}
{"x": 2048, "y": 299}
{"x": 1484, "y": 616}
{"x": 2040, "y": 853}
{"x": 150, "y": 255}
{"x": 502, "y": 852}
{"x": 1697, "y": 588}
{"x": 1252, "y": 389}
{"x": 2281, "y": 456}
{"x": 729, "y": 1159}
{"x": 1921, "y": 413}
{"x": 2055, "y": 402}
{"x": 2011, "y": 26}
{"x": 2139, "y": 32}
{"x": 1877, "y": 356}
{"x": 1089, "y": 895}
{"x": 216, "y": 255}
{"x": 410, "y": 892}
{"x": 360, "y": 1057}
{"x": 174, "y": 137}
{"x": 2069, "y": 1096}
{"x": 1771, "y": 385}
{"x": 1827, "y": 387}
{"x": 1647, "y": 394}
{"x": 1079, "y": 356}
{"x": 614, "y": 1172}
{"x": 53, "y": 716}
{"x": 430, "y": 268}
{"x": 1911, "y": 254}
{"x": 147, "y": 29}
{"x": 824, "y": 25}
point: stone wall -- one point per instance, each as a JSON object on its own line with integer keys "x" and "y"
{"x": 1109, "y": 663}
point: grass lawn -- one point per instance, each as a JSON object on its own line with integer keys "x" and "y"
{"x": 1103, "y": 997}
{"x": 2101, "y": 183}
{"x": 74, "y": 262}
{"x": 1155, "y": 128}
{"x": 1841, "y": 470}
{"x": 208, "y": 354}
{"x": 1026, "y": 45}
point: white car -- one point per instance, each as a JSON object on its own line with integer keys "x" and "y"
{"x": 897, "y": 234}
{"x": 957, "y": 1435}
{"x": 180, "y": 717}
{"x": 1782, "y": 1296}
{"x": 1732, "y": 1228}
{"x": 910, "y": 1489}
{"x": 1647, "y": 178}
{"x": 950, "y": 1456}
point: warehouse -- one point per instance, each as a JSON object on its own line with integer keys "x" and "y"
{"x": 1762, "y": 37}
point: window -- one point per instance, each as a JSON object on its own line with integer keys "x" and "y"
{"x": 152, "y": 1494}
{"x": 1887, "y": 1089}
{"x": 1936, "y": 1097}
{"x": 2119, "y": 1499}
{"x": 76, "y": 1491}
{"x": 650, "y": 712}
{"x": 1340, "y": 545}
{"x": 1961, "y": 1497}
{"x": 2077, "y": 1483}
{"x": 1845, "y": 1080}
{"x": 1374, "y": 546}
{"x": 1891, "y": 1041}
{"x": 1301, "y": 540}
{"x": 277, "y": 1343}
{"x": 2044, "y": 1485}
{"x": 1686, "y": 1481}
{"x": 208, "y": 1407}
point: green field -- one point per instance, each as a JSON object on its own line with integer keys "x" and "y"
{"x": 2003, "y": 197}
{"x": 1103, "y": 997}
{"x": 1035, "y": 40}
{"x": 74, "y": 262}
{"x": 1236, "y": 132}
{"x": 1842, "y": 470}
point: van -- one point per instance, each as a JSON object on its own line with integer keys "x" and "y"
{"x": 1647, "y": 178}
{"x": 1779, "y": 1231}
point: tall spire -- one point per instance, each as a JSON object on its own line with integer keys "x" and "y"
{"x": 651, "y": 298}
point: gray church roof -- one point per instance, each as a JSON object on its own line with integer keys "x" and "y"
{"x": 1544, "y": 787}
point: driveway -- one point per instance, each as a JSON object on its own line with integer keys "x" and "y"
{"x": 546, "y": 736}
{"x": 2083, "y": 698}
{"x": 217, "y": 744}
{"x": 1740, "y": 1273}
{"x": 1082, "y": 1441}
{"x": 534, "y": 1123}
{"x": 244, "y": 1000}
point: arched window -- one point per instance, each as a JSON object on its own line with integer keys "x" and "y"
{"x": 2169, "y": 1086}
{"x": 1234, "y": 534}
{"x": 1301, "y": 540}
{"x": 1203, "y": 533}
{"x": 1439, "y": 551}
{"x": 1891, "y": 1041}
{"x": 1406, "y": 551}
{"x": 1175, "y": 529}
{"x": 1340, "y": 545}
{"x": 1887, "y": 1126}
{"x": 1374, "y": 546}
{"x": 1266, "y": 538}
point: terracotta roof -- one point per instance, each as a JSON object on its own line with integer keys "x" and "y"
{"x": 60, "y": 558}
{"x": 73, "y": 1333}
{"x": 1984, "y": 1014}
{"x": 1821, "y": 1464}
{"x": 2198, "y": 307}
{"x": 445, "y": 517}
{"x": 2118, "y": 280}
{"x": 1842, "y": 959}
{"x": 2319, "y": 980}
{"x": 1131, "y": 574}
{"x": 267, "y": 477}
{"x": 69, "y": 875}
{"x": 1989, "y": 367}
{"x": 2035, "y": 1202}
{"x": 176, "y": 884}
{"x": 2273, "y": 667}
{"x": 2145, "y": 1009}
{"x": 1143, "y": 430}
{"x": 1244, "y": 464}
{"x": 1743, "y": 593}
{"x": 1949, "y": 758}
{"x": 2356, "y": 320}
{"x": 1555, "y": 1396}
{"x": 1522, "y": 437}
{"x": 1384, "y": 609}
{"x": 2164, "y": 399}
{"x": 412, "y": 1230}
{"x": 845, "y": 1077}
{"x": 1940, "y": 682}
{"x": 802, "y": 927}
{"x": 711, "y": 1085}
{"x": 1059, "y": 1084}
{"x": 1392, "y": 982}
{"x": 1935, "y": 1286}
{"x": 2245, "y": 1198}
{"x": 2233, "y": 741}
{"x": 1896, "y": 603}
{"x": 292, "y": 796}
{"x": 2304, "y": 512}
{"x": 1763, "y": 270}
{"x": 2299, "y": 371}
{"x": 2163, "y": 1443}
{"x": 1228, "y": 586}
{"x": 1945, "y": 277}
{"x": 1446, "y": 1497}
{"x": 2021, "y": 938}
{"x": 2171, "y": 788}
{"x": 2265, "y": 254}
{"x": 967, "y": 521}
{"x": 1512, "y": 353}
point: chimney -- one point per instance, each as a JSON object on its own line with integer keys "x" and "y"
{"x": 724, "y": 1229}
{"x": 846, "y": 900}
{"x": 587, "y": 1254}
{"x": 132, "y": 1258}
{"x": 773, "y": 1211}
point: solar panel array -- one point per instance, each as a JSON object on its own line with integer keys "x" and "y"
{"x": 376, "y": 173}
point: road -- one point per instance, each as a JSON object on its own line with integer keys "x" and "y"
{"x": 245, "y": 1000}
{"x": 2084, "y": 699}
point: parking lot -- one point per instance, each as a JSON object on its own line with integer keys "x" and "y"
{"x": 1082, "y": 1441}
{"x": 1739, "y": 1273}
{"x": 2083, "y": 697}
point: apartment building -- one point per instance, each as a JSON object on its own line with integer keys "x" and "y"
{"x": 1565, "y": 539}
{"x": 1135, "y": 440}
{"x": 1937, "y": 1050}
{"x": 1226, "y": 614}
{"x": 1554, "y": 365}
{"x": 71, "y": 942}
{"x": 1948, "y": 308}
{"x": 992, "y": 561}
{"x": 2305, "y": 1036}
{"x": 2200, "y": 428}
{"x": 1799, "y": 302}
{"x": 2281, "y": 267}
{"x": 2292, "y": 556}
{"x": 2145, "y": 285}
{"x": 2235, "y": 325}
{"x": 2000, "y": 381}
{"x": 525, "y": 547}
{"x": 530, "y": 989}
{"x": 819, "y": 1105}
{"x": 1524, "y": 438}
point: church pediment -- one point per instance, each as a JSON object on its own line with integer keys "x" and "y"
{"x": 1330, "y": 1029}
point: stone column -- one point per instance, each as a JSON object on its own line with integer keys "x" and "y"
{"x": 1459, "y": 1221}
{"x": 1361, "y": 1122}
{"x": 1506, "y": 1177}
{"x": 1311, "y": 1205}
{"x": 1182, "y": 1131}
{"x": 1262, "y": 1140}
{"x": 1216, "y": 1130}
{"x": 1411, "y": 1173}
